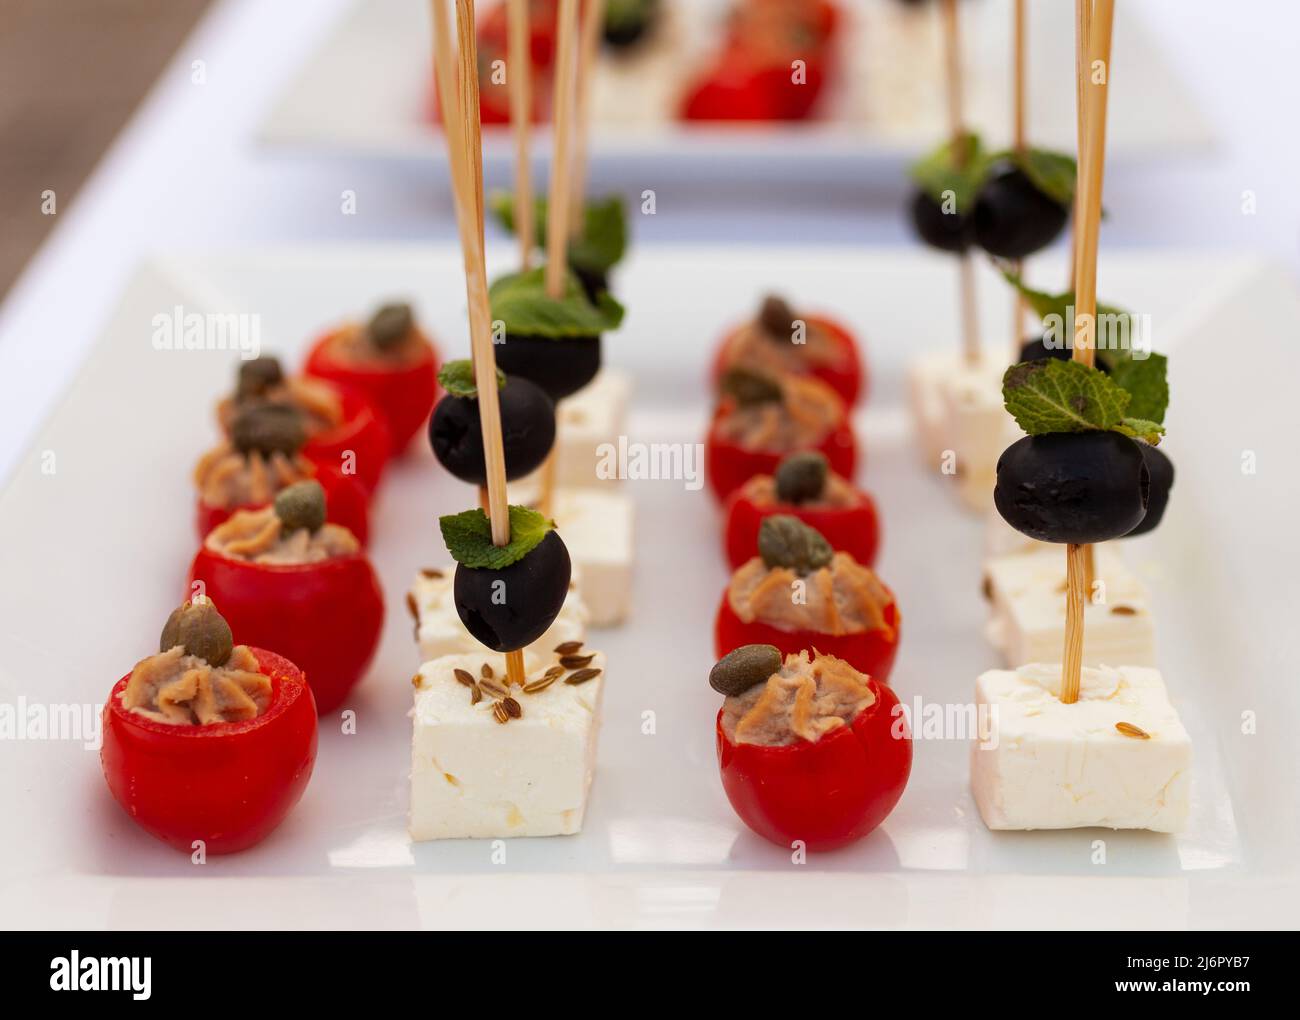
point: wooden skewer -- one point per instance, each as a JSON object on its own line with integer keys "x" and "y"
{"x": 557, "y": 218}
{"x": 461, "y": 118}
{"x": 957, "y": 131}
{"x": 1082, "y": 26}
{"x": 1019, "y": 143}
{"x": 1092, "y": 166}
{"x": 521, "y": 85}
{"x": 593, "y": 23}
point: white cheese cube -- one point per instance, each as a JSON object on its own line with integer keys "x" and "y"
{"x": 1042, "y": 764}
{"x": 595, "y": 415}
{"x": 473, "y": 777}
{"x": 1027, "y": 593}
{"x": 439, "y": 630}
{"x": 1001, "y": 539}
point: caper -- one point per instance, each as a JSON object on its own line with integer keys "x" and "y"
{"x": 388, "y": 326}
{"x": 750, "y": 388}
{"x": 301, "y": 505}
{"x": 201, "y": 630}
{"x": 257, "y": 376}
{"x": 777, "y": 318}
{"x": 739, "y": 670}
{"x": 268, "y": 428}
{"x": 801, "y": 477}
{"x": 785, "y": 541}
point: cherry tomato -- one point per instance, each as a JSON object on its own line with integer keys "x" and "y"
{"x": 403, "y": 395}
{"x": 827, "y": 793}
{"x": 733, "y": 90}
{"x": 346, "y": 499}
{"x": 848, "y": 378}
{"x": 729, "y": 465}
{"x": 871, "y": 651}
{"x": 851, "y": 529}
{"x": 326, "y": 615}
{"x": 227, "y": 784}
{"x": 359, "y": 443}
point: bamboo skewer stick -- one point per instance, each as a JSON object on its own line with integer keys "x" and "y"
{"x": 593, "y": 23}
{"x": 1019, "y": 143}
{"x": 1092, "y": 166}
{"x": 557, "y": 218}
{"x": 521, "y": 84}
{"x": 957, "y": 130}
{"x": 460, "y": 108}
{"x": 1082, "y": 26}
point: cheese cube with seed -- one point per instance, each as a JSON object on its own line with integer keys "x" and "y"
{"x": 1027, "y": 596}
{"x": 439, "y": 631}
{"x": 1118, "y": 757}
{"x": 476, "y": 777}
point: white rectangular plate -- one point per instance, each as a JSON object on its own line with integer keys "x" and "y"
{"x": 365, "y": 91}
{"x": 94, "y": 554}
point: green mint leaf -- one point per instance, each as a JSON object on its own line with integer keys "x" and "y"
{"x": 1140, "y": 428}
{"x": 520, "y": 301}
{"x": 1062, "y": 396}
{"x": 1058, "y": 311}
{"x": 938, "y": 172}
{"x": 468, "y": 537}
{"x": 457, "y": 378}
{"x": 603, "y": 241}
{"x": 1055, "y": 174}
{"x": 1145, "y": 379}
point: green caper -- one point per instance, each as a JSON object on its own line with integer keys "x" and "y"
{"x": 389, "y": 326}
{"x": 749, "y": 388}
{"x": 739, "y": 670}
{"x": 267, "y": 429}
{"x": 785, "y": 541}
{"x": 257, "y": 376}
{"x": 301, "y": 505}
{"x": 777, "y": 318}
{"x": 801, "y": 477}
{"x": 201, "y": 630}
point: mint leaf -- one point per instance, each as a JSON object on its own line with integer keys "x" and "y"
{"x": 602, "y": 243}
{"x": 1062, "y": 396}
{"x": 457, "y": 378}
{"x": 937, "y": 172}
{"x": 521, "y": 302}
{"x": 1055, "y": 174}
{"x": 1145, "y": 379}
{"x": 468, "y": 537}
{"x": 1057, "y": 312}
{"x": 1140, "y": 428}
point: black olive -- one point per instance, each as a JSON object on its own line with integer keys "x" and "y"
{"x": 267, "y": 429}
{"x": 389, "y": 326}
{"x": 594, "y": 282}
{"x": 201, "y": 630}
{"x": 1012, "y": 218}
{"x": 301, "y": 505}
{"x": 1037, "y": 349}
{"x": 801, "y": 477}
{"x": 509, "y": 608}
{"x": 561, "y": 365}
{"x": 257, "y": 376}
{"x": 1075, "y": 487}
{"x": 527, "y": 431}
{"x": 743, "y": 668}
{"x": 947, "y": 231}
{"x": 1161, "y": 470}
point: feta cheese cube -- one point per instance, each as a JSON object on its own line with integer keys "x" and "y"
{"x": 439, "y": 631}
{"x": 473, "y": 777}
{"x": 1119, "y": 757}
{"x": 1001, "y": 539}
{"x": 595, "y": 415}
{"x": 1027, "y": 593}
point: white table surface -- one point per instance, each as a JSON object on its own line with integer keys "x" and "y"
{"x": 186, "y": 175}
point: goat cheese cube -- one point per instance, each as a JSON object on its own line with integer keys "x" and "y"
{"x": 439, "y": 630}
{"x": 1027, "y": 592}
{"x": 473, "y": 777}
{"x": 1118, "y": 757}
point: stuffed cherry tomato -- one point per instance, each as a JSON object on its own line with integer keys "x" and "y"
{"x": 263, "y": 456}
{"x": 780, "y": 339}
{"x": 343, "y": 430}
{"x": 810, "y": 749}
{"x": 806, "y": 488}
{"x": 762, "y": 418}
{"x": 799, "y": 593}
{"x": 207, "y": 740}
{"x": 284, "y": 576}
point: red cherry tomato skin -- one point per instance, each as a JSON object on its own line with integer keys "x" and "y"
{"x": 852, "y": 529}
{"x": 402, "y": 396}
{"x": 729, "y": 465}
{"x": 346, "y": 499}
{"x": 871, "y": 652}
{"x": 849, "y": 378}
{"x": 326, "y": 615}
{"x": 829, "y": 793}
{"x": 228, "y": 784}
{"x": 362, "y": 433}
